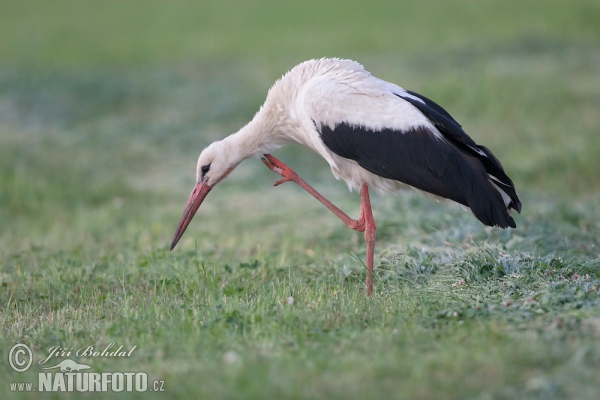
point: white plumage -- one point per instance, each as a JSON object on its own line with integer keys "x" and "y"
{"x": 329, "y": 91}
{"x": 373, "y": 134}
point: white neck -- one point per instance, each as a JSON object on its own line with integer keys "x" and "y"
{"x": 258, "y": 137}
{"x": 272, "y": 126}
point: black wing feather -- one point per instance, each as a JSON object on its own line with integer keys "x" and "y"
{"x": 419, "y": 159}
{"x": 453, "y": 132}
{"x": 439, "y": 117}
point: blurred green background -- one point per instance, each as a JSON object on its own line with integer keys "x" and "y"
{"x": 111, "y": 100}
{"x": 105, "y": 106}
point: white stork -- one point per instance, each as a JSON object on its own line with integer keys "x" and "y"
{"x": 373, "y": 134}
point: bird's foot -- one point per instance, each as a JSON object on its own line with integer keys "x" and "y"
{"x": 280, "y": 168}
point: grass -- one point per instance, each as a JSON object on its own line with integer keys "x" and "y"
{"x": 103, "y": 111}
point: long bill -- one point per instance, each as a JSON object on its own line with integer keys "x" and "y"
{"x": 198, "y": 194}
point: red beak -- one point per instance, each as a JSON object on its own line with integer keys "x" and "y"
{"x": 198, "y": 194}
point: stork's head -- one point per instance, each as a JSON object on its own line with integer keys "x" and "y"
{"x": 214, "y": 164}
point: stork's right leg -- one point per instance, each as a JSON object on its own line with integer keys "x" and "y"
{"x": 365, "y": 223}
{"x": 289, "y": 175}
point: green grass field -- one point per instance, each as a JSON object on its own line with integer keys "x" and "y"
{"x": 105, "y": 106}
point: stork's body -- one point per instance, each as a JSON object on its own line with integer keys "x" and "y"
{"x": 373, "y": 134}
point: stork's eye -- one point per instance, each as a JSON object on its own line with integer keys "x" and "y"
{"x": 205, "y": 169}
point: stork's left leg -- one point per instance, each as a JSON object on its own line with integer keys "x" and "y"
{"x": 366, "y": 214}
{"x": 364, "y": 223}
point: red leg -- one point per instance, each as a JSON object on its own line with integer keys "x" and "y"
{"x": 364, "y": 223}
{"x": 366, "y": 215}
